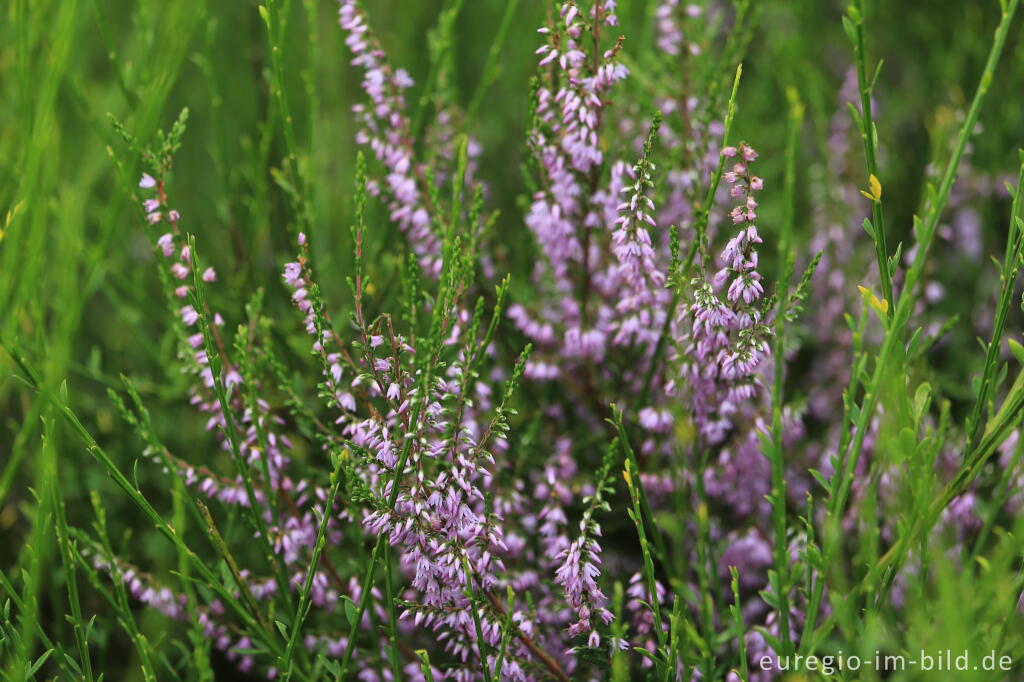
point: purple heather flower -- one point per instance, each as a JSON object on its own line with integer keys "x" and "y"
{"x": 166, "y": 244}
{"x": 727, "y": 342}
{"x": 655, "y": 420}
{"x": 385, "y": 130}
{"x": 644, "y": 299}
{"x": 147, "y": 181}
{"x": 189, "y": 315}
{"x": 578, "y": 576}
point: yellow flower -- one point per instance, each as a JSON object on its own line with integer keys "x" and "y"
{"x": 882, "y": 306}
{"x": 876, "y": 189}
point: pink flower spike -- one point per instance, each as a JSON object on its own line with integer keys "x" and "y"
{"x": 147, "y": 181}
{"x": 302, "y": 238}
{"x": 209, "y": 275}
{"x": 173, "y": 216}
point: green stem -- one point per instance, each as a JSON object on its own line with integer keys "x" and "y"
{"x": 926, "y": 232}
{"x": 211, "y": 579}
{"x": 389, "y": 594}
{"x": 285, "y": 663}
{"x": 474, "y": 607}
{"x": 276, "y": 23}
{"x": 63, "y": 661}
{"x": 659, "y": 543}
{"x": 704, "y": 210}
{"x": 632, "y": 475}
{"x": 371, "y": 569}
{"x": 869, "y": 135}
{"x": 67, "y": 557}
{"x": 506, "y": 635}
{"x": 1008, "y": 279}
{"x": 215, "y": 362}
{"x": 491, "y": 67}
{"x": 842, "y": 479}
{"x": 778, "y": 495}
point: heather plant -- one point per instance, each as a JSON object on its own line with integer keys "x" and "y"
{"x": 584, "y": 363}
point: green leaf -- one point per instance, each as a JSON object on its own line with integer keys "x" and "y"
{"x": 647, "y": 654}
{"x": 868, "y": 227}
{"x": 874, "y": 79}
{"x": 820, "y": 478}
{"x": 39, "y": 663}
{"x": 894, "y": 260}
{"x": 850, "y": 29}
{"x": 922, "y": 399}
{"x": 350, "y": 610}
{"x": 1017, "y": 350}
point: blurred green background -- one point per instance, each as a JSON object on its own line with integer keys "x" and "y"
{"x": 77, "y": 286}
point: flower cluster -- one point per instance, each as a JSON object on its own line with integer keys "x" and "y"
{"x": 728, "y": 338}
{"x": 644, "y": 302}
{"x": 386, "y": 131}
{"x": 567, "y": 217}
{"x": 581, "y": 560}
{"x": 450, "y": 526}
{"x": 422, "y": 436}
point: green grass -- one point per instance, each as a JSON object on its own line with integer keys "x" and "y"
{"x": 269, "y": 152}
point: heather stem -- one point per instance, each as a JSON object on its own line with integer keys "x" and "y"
{"x": 371, "y": 569}
{"x": 506, "y": 633}
{"x": 491, "y": 68}
{"x": 474, "y": 609}
{"x": 67, "y": 554}
{"x": 285, "y": 663}
{"x": 275, "y": 20}
{"x": 396, "y": 666}
{"x": 217, "y": 356}
{"x": 778, "y": 497}
{"x": 1008, "y": 278}
{"x": 61, "y": 656}
{"x": 737, "y": 619}
{"x": 119, "y": 603}
{"x": 700, "y": 245}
